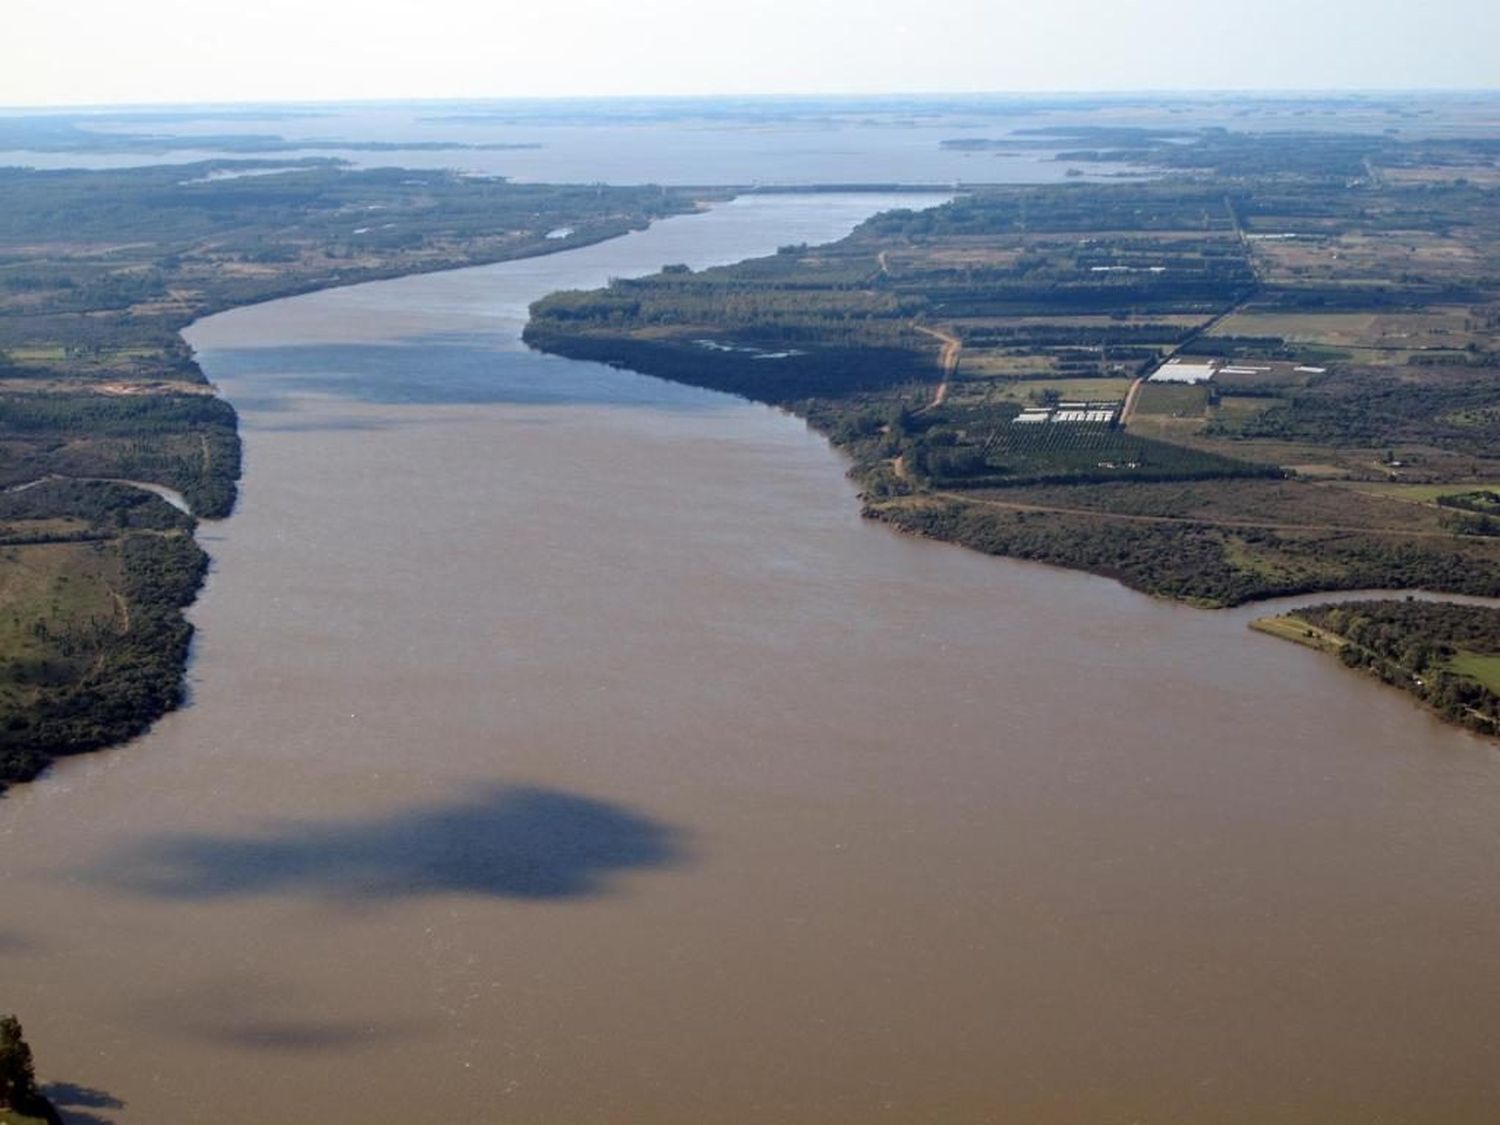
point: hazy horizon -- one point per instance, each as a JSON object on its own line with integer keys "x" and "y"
{"x": 169, "y": 52}
{"x": 855, "y": 98}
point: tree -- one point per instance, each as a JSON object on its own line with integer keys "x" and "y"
{"x": 17, "y": 1078}
{"x": 1047, "y": 396}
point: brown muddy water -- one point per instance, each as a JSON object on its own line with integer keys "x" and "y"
{"x": 564, "y": 748}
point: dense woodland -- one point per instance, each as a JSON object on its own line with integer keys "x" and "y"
{"x": 21, "y": 1099}
{"x": 1446, "y": 655}
{"x": 184, "y": 441}
{"x": 1452, "y": 408}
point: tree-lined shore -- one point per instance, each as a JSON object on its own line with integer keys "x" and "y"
{"x": 99, "y": 273}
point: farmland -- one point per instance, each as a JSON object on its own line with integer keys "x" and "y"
{"x": 1353, "y": 320}
{"x": 93, "y": 578}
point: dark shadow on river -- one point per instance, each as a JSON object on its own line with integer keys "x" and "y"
{"x": 462, "y": 369}
{"x": 13, "y": 942}
{"x": 76, "y": 1104}
{"x": 503, "y": 842}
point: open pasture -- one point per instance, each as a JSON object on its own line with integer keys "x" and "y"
{"x": 1334, "y": 254}
{"x": 1067, "y": 390}
{"x": 1177, "y": 400}
{"x": 1438, "y": 327}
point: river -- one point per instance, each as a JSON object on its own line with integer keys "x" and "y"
{"x": 564, "y": 747}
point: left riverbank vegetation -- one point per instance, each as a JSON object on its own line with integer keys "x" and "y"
{"x": 21, "y": 1101}
{"x": 99, "y": 272}
{"x": 92, "y": 638}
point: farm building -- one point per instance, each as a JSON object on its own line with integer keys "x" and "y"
{"x": 1178, "y": 371}
{"x": 1075, "y": 412}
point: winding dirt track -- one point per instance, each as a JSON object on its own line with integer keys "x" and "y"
{"x": 1130, "y": 400}
{"x": 948, "y": 359}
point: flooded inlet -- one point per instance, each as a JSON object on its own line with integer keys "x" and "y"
{"x": 564, "y": 747}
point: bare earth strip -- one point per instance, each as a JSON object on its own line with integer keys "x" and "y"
{"x": 1130, "y": 517}
{"x": 952, "y": 345}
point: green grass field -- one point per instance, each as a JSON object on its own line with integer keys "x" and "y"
{"x": 1172, "y": 399}
{"x": 1069, "y": 390}
{"x": 1484, "y": 667}
{"x": 48, "y": 591}
{"x": 1437, "y": 326}
{"x": 1421, "y": 493}
{"x": 38, "y": 355}
{"x": 1237, "y": 407}
{"x": 1289, "y": 627}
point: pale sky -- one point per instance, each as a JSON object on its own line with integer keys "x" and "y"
{"x": 82, "y": 52}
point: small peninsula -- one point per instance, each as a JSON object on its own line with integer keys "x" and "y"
{"x": 1447, "y": 655}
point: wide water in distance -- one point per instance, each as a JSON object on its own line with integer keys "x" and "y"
{"x": 824, "y": 147}
{"x": 563, "y": 747}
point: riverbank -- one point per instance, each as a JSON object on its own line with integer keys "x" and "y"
{"x": 46, "y": 1116}
{"x": 974, "y": 363}
{"x": 97, "y": 385}
{"x": 1446, "y": 655}
{"x": 1290, "y": 627}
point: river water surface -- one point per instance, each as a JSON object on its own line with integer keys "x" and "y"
{"x": 564, "y": 748}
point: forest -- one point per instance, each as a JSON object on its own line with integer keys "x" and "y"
{"x": 1446, "y": 655}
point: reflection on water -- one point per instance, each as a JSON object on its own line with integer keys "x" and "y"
{"x": 13, "y": 942}
{"x": 82, "y": 1105}
{"x": 242, "y": 1012}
